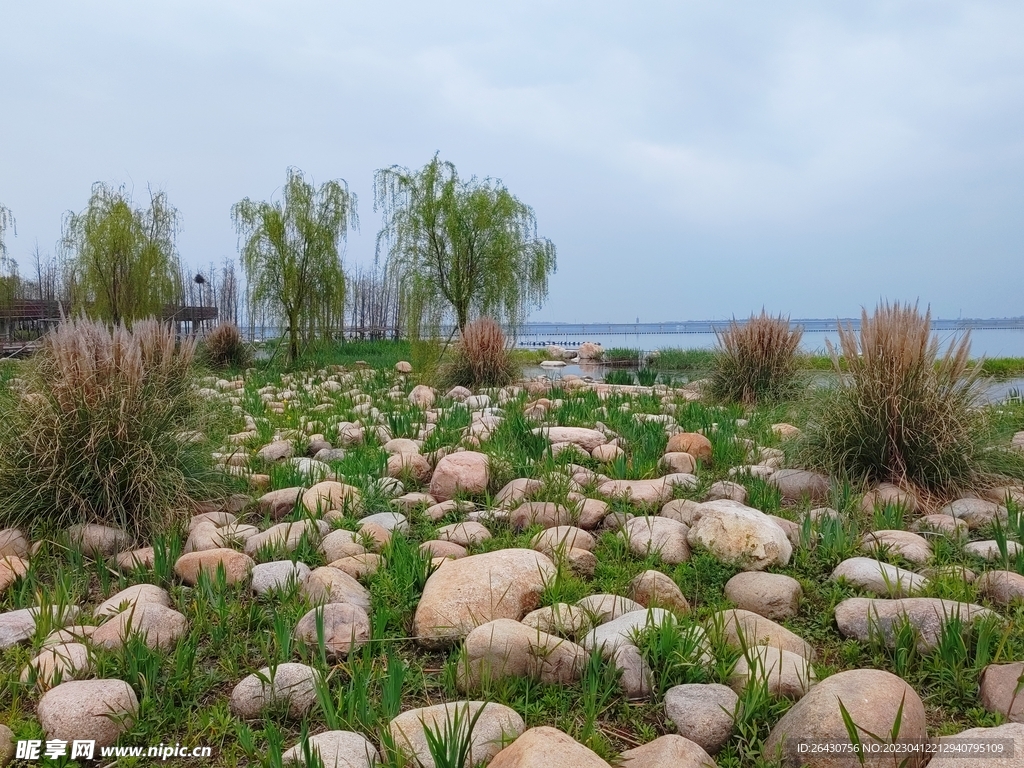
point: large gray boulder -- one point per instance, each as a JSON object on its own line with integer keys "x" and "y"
{"x": 957, "y": 751}
{"x": 999, "y": 690}
{"x": 545, "y": 747}
{"x": 772, "y": 595}
{"x": 878, "y": 577}
{"x": 336, "y": 749}
{"x": 703, "y": 713}
{"x": 800, "y": 484}
{"x": 669, "y": 751}
{"x": 345, "y": 628}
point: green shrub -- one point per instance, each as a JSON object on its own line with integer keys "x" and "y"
{"x": 481, "y": 358}
{"x": 103, "y": 429}
{"x": 224, "y": 347}
{"x": 903, "y": 412}
{"x": 756, "y": 361}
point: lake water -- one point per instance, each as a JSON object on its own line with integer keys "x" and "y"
{"x": 1002, "y": 342}
{"x": 996, "y": 390}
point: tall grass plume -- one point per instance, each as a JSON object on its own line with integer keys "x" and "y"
{"x": 224, "y": 347}
{"x": 481, "y": 358}
{"x": 756, "y": 361}
{"x": 904, "y": 411}
{"x": 104, "y": 428}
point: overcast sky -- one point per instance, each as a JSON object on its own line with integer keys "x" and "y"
{"x": 689, "y": 159}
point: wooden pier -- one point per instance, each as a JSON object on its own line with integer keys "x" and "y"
{"x": 24, "y": 322}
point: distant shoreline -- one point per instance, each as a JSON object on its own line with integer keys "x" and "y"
{"x": 810, "y": 325}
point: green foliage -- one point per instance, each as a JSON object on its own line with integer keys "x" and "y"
{"x": 396, "y": 588}
{"x": 756, "y": 361}
{"x": 380, "y": 354}
{"x": 904, "y": 413}
{"x": 480, "y": 359}
{"x": 224, "y": 347}
{"x": 461, "y": 248}
{"x": 647, "y": 377}
{"x": 599, "y": 685}
{"x": 619, "y": 377}
{"x": 449, "y": 741}
{"x": 682, "y": 360}
{"x": 678, "y": 651}
{"x": 425, "y": 356}
{"x": 123, "y": 262}
{"x": 103, "y": 431}
{"x": 291, "y": 254}
{"x": 890, "y": 517}
{"x": 1001, "y": 366}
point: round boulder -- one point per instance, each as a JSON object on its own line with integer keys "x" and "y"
{"x": 98, "y": 710}
{"x": 657, "y": 536}
{"x": 494, "y": 726}
{"x": 462, "y": 472}
{"x": 772, "y": 595}
{"x": 237, "y": 565}
{"x": 693, "y": 443}
{"x": 463, "y": 594}
{"x": 702, "y": 713}
{"x": 653, "y": 589}
{"x": 740, "y": 535}
{"x": 543, "y": 747}
{"x": 345, "y": 628}
{"x": 797, "y": 484}
{"x": 872, "y": 698}
{"x": 290, "y": 686}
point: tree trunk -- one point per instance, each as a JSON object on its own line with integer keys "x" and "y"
{"x": 293, "y": 338}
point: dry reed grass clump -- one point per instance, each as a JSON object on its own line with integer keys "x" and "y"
{"x": 481, "y": 358}
{"x": 101, "y": 431}
{"x": 756, "y": 361}
{"x": 224, "y": 347}
{"x": 904, "y": 412}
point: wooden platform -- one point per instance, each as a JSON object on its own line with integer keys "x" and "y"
{"x": 35, "y": 317}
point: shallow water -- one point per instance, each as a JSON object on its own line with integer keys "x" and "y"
{"x": 1003, "y": 342}
{"x": 996, "y": 390}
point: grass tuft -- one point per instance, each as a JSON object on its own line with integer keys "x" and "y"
{"x": 481, "y": 358}
{"x": 905, "y": 412}
{"x": 224, "y": 347}
{"x": 105, "y": 429}
{"x": 756, "y": 361}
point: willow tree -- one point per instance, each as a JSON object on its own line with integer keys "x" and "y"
{"x": 291, "y": 253}
{"x": 122, "y": 260}
{"x": 462, "y": 248}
